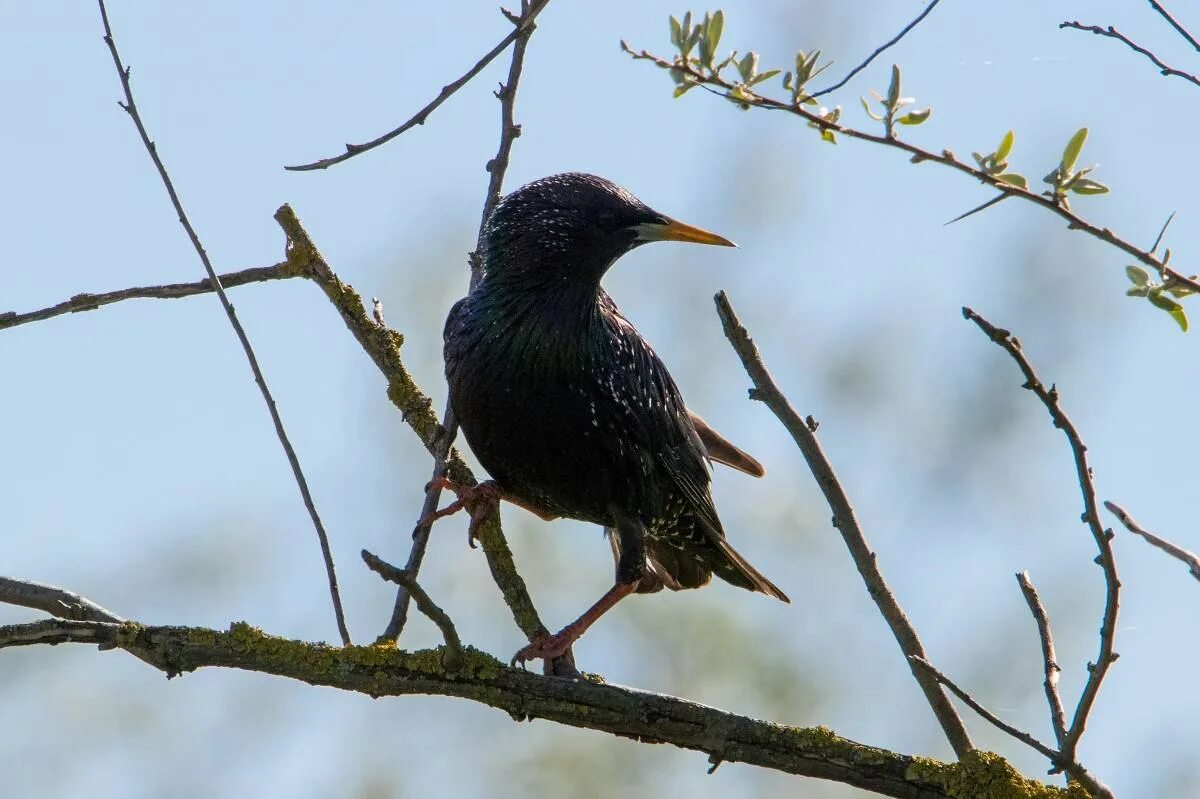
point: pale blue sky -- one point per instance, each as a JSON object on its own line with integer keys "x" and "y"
{"x": 140, "y": 467}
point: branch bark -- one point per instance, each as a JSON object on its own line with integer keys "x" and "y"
{"x": 590, "y": 704}
{"x": 844, "y": 520}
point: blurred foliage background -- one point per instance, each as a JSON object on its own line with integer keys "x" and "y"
{"x": 140, "y": 469}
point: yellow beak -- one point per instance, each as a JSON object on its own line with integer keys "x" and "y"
{"x": 674, "y": 230}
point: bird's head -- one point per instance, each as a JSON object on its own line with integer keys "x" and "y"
{"x": 572, "y": 227}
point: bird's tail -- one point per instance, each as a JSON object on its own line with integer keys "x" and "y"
{"x": 731, "y": 567}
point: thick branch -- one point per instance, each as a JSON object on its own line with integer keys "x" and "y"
{"x": 131, "y": 109}
{"x": 521, "y": 28}
{"x": 1190, "y": 559}
{"x": 1091, "y": 517}
{"x": 647, "y": 717}
{"x": 946, "y": 158}
{"x": 844, "y": 520}
{"x": 383, "y": 346}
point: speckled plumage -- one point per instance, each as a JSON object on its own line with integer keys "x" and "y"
{"x": 567, "y": 406}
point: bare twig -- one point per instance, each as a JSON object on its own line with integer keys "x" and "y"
{"x": 844, "y": 520}
{"x": 453, "y": 658}
{"x": 1058, "y": 717}
{"x": 53, "y": 600}
{"x": 1190, "y": 559}
{"x": 130, "y": 108}
{"x": 1074, "y": 770}
{"x": 496, "y": 168}
{"x": 522, "y": 26}
{"x": 1182, "y": 31}
{"x": 1091, "y": 517}
{"x": 878, "y": 50}
{"x": 169, "y": 291}
{"x": 1112, "y": 33}
{"x": 946, "y": 158}
{"x": 928, "y": 668}
{"x": 613, "y": 709}
{"x": 383, "y": 346}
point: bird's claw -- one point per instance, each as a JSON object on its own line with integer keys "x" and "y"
{"x": 484, "y": 496}
{"x": 544, "y": 647}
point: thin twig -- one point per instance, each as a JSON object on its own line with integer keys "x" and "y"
{"x": 169, "y": 291}
{"x": 53, "y": 600}
{"x": 1091, "y": 517}
{"x": 928, "y": 668}
{"x": 521, "y": 28}
{"x": 878, "y": 50}
{"x": 1162, "y": 232}
{"x": 130, "y": 108}
{"x": 1112, "y": 33}
{"x": 1058, "y": 717}
{"x": 766, "y": 391}
{"x": 1190, "y": 559}
{"x": 1182, "y": 31}
{"x": 946, "y": 158}
{"x": 496, "y": 168}
{"x": 453, "y": 658}
{"x": 382, "y": 345}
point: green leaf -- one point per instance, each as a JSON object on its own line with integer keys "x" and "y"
{"x": 893, "y": 93}
{"x": 1005, "y": 146}
{"x": 1137, "y": 276}
{"x": 1160, "y": 300}
{"x": 748, "y": 66}
{"x": 1013, "y": 179}
{"x": 684, "y": 88}
{"x": 1135, "y": 292}
{"x": 829, "y": 136}
{"x": 759, "y": 78}
{"x": 915, "y": 117}
{"x": 716, "y": 27}
{"x": 1071, "y": 153}
{"x": 1088, "y": 186}
{"x": 867, "y": 107}
{"x": 676, "y": 33}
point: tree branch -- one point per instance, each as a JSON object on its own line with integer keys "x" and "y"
{"x": 383, "y": 346}
{"x": 946, "y": 158}
{"x": 1091, "y": 517}
{"x": 1058, "y": 717}
{"x": 878, "y": 50}
{"x": 452, "y": 659}
{"x": 168, "y": 291}
{"x": 650, "y": 718}
{"x": 1190, "y": 559}
{"x": 522, "y": 26}
{"x": 1182, "y": 31}
{"x": 131, "y": 109}
{"x": 496, "y": 168}
{"x": 844, "y": 520}
{"x": 56, "y": 601}
{"x": 1112, "y": 33}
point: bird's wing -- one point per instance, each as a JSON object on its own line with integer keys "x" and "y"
{"x": 722, "y": 450}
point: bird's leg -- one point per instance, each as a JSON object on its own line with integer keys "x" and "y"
{"x": 630, "y": 569}
{"x": 483, "y": 498}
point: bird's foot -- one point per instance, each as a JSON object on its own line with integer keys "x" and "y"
{"x": 548, "y": 648}
{"x": 483, "y": 497}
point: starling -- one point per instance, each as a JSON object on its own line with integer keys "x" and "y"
{"x": 569, "y": 409}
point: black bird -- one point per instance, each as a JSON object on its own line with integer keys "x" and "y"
{"x": 567, "y": 406}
